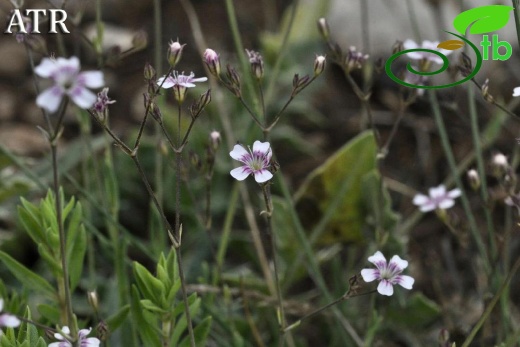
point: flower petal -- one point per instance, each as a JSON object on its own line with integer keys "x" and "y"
{"x": 385, "y": 288}
{"x": 9, "y": 320}
{"x": 420, "y": 199}
{"x": 405, "y": 281}
{"x": 428, "y": 207}
{"x": 168, "y": 82}
{"x": 454, "y": 193}
{"x": 262, "y": 176}
{"x": 240, "y": 173}
{"x": 92, "y": 342}
{"x": 437, "y": 192}
{"x": 82, "y": 97}
{"x": 370, "y": 274}
{"x": 410, "y": 44}
{"x": 1, "y": 304}
{"x": 377, "y": 257}
{"x": 200, "y": 79}
{"x": 262, "y": 147}
{"x": 446, "y": 204}
{"x": 46, "y": 68}
{"x": 400, "y": 263}
{"x": 50, "y": 98}
{"x": 516, "y": 91}
{"x": 238, "y": 152}
{"x": 92, "y": 79}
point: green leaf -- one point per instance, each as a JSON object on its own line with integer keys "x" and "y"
{"x": 334, "y": 190}
{"x": 200, "y": 332}
{"x": 149, "y": 286}
{"x": 118, "y": 318}
{"x": 52, "y": 313}
{"x": 26, "y": 276}
{"x": 485, "y": 19}
{"x": 77, "y": 255}
{"x": 380, "y": 207}
{"x": 149, "y": 334}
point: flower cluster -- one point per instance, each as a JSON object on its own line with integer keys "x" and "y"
{"x": 69, "y": 81}
{"x": 388, "y": 274}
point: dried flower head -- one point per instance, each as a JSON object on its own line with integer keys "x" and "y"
{"x": 354, "y": 59}
{"x": 257, "y": 63}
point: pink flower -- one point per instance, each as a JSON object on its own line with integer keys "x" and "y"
{"x": 438, "y": 199}
{"x": 83, "y": 340}
{"x": 257, "y": 162}
{"x": 68, "y": 80}
{"x": 185, "y": 81}
{"x": 388, "y": 274}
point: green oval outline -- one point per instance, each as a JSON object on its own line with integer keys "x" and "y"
{"x": 444, "y": 66}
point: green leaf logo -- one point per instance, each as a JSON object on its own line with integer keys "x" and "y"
{"x": 484, "y": 19}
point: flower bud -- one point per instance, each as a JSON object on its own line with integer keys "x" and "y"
{"x": 215, "y": 139}
{"x": 499, "y": 164}
{"x": 140, "y": 40}
{"x": 195, "y": 160}
{"x": 234, "y": 79}
{"x": 465, "y": 65}
{"x": 149, "y": 72}
{"x": 319, "y": 65}
{"x": 397, "y": 47}
{"x": 474, "y": 179}
{"x": 93, "y": 300}
{"x": 257, "y": 64}
{"x": 299, "y": 83}
{"x": 174, "y": 53}
{"x": 323, "y": 28}
{"x": 485, "y": 91}
{"x": 212, "y": 61}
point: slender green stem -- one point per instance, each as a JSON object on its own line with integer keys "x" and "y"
{"x": 517, "y": 18}
{"x": 53, "y": 140}
{"x": 453, "y": 167}
{"x": 270, "y": 234}
{"x": 491, "y": 305}
{"x": 481, "y": 171}
{"x": 281, "y": 52}
{"x": 342, "y": 298}
{"x": 230, "y": 9}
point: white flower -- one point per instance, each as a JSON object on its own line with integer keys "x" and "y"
{"x": 186, "y": 81}
{"x": 388, "y": 274}
{"x": 438, "y": 199}
{"x": 516, "y": 91}
{"x": 68, "y": 80}
{"x": 256, "y": 162}
{"x": 82, "y": 341}
{"x": 6, "y": 319}
{"x": 410, "y": 44}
